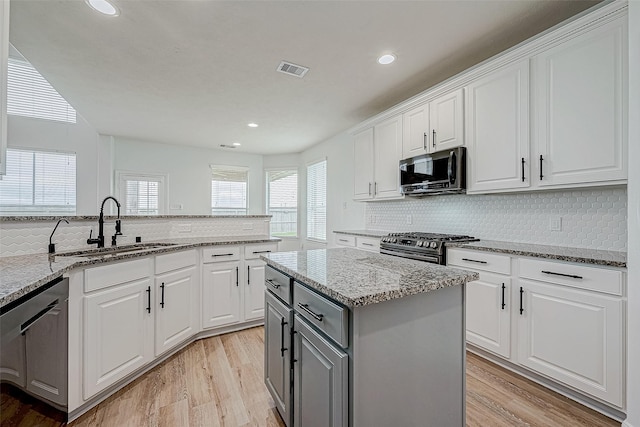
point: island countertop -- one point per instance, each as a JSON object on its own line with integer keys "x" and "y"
{"x": 357, "y": 278}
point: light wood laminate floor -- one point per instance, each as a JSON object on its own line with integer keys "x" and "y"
{"x": 218, "y": 382}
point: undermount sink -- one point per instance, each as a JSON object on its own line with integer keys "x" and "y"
{"x": 104, "y": 252}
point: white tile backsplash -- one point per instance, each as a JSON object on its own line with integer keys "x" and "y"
{"x": 593, "y": 218}
{"x": 29, "y": 237}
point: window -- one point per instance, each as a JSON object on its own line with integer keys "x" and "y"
{"x": 229, "y": 190}
{"x": 282, "y": 202}
{"x": 30, "y": 95}
{"x": 317, "y": 201}
{"x": 141, "y": 194}
{"x": 38, "y": 183}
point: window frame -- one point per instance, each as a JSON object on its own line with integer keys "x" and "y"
{"x": 308, "y": 165}
{"x": 245, "y": 169}
{"x": 267, "y": 197}
{"x": 122, "y": 176}
{"x": 33, "y": 184}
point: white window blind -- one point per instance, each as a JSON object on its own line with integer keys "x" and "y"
{"x": 38, "y": 183}
{"x": 30, "y": 95}
{"x": 282, "y": 202}
{"x": 142, "y": 194}
{"x": 317, "y": 201}
{"x": 229, "y": 190}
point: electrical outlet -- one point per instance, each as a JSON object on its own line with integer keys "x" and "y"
{"x": 176, "y": 207}
{"x": 344, "y": 205}
{"x": 247, "y": 226}
{"x": 183, "y": 228}
{"x": 555, "y": 223}
{"x": 409, "y": 220}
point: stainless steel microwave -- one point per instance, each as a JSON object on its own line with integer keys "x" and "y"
{"x": 442, "y": 172}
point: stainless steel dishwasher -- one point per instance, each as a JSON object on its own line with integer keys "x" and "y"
{"x": 34, "y": 345}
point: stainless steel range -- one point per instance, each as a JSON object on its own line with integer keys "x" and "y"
{"x": 428, "y": 247}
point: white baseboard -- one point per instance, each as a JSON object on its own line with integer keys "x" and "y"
{"x": 626, "y": 424}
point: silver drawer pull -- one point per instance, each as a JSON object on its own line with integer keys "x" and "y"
{"x": 261, "y": 252}
{"x": 305, "y": 307}
{"x": 214, "y": 255}
{"x": 367, "y": 244}
{"x": 343, "y": 240}
{"x": 473, "y": 260}
{"x": 573, "y": 276}
{"x": 273, "y": 285}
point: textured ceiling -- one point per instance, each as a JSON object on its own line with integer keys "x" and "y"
{"x": 196, "y": 72}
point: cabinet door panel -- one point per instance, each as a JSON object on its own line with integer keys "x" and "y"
{"x": 254, "y": 290}
{"x": 415, "y": 135}
{"x": 488, "y": 322}
{"x": 363, "y": 165}
{"x": 388, "y": 151}
{"x": 580, "y": 108}
{"x": 574, "y": 337}
{"x": 498, "y": 130}
{"x": 446, "y": 119}
{"x": 118, "y": 337}
{"x": 220, "y": 294}
{"x": 12, "y": 362}
{"x": 321, "y": 375}
{"x": 277, "y": 357}
{"x": 175, "y": 315}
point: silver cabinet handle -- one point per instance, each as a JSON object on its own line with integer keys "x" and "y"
{"x": 305, "y": 307}
{"x": 273, "y": 285}
{"x": 367, "y": 244}
{"x": 434, "y": 138}
{"x": 215, "y": 255}
{"x": 343, "y": 240}
{"x": 424, "y": 141}
{"x": 369, "y": 188}
{"x": 375, "y": 188}
{"x": 261, "y": 252}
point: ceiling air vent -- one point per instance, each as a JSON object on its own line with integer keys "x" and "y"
{"x": 292, "y": 69}
{"x": 227, "y": 146}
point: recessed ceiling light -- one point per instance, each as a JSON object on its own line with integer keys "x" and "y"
{"x": 104, "y": 7}
{"x": 253, "y": 125}
{"x": 237, "y": 144}
{"x": 386, "y": 59}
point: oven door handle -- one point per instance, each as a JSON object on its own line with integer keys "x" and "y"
{"x": 29, "y": 323}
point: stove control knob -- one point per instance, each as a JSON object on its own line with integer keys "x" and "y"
{"x": 395, "y": 240}
{"x": 433, "y": 245}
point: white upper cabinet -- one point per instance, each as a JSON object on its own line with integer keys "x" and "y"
{"x": 415, "y": 135}
{"x": 580, "y": 108}
{"x": 377, "y": 154}
{"x": 498, "y": 130}
{"x": 363, "y": 165}
{"x": 434, "y": 126}
{"x": 387, "y": 137}
{"x": 446, "y": 121}
{"x": 4, "y": 57}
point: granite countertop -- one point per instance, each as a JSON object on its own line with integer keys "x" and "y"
{"x": 364, "y": 233}
{"x": 357, "y": 278}
{"x": 561, "y": 253}
{"x": 20, "y": 275}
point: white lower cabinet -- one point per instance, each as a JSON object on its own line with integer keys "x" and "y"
{"x": 562, "y": 320}
{"x": 573, "y": 336}
{"x": 118, "y": 336}
{"x": 321, "y": 380}
{"x": 176, "y": 318}
{"x": 233, "y": 284}
{"x": 220, "y": 294}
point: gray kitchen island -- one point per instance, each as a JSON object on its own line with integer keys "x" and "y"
{"x": 361, "y": 339}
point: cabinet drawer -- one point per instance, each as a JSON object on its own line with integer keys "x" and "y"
{"x": 477, "y": 260}
{"x": 345, "y": 240}
{"x": 574, "y": 275}
{"x": 175, "y": 261}
{"x": 116, "y": 274}
{"x": 278, "y": 283}
{"x": 220, "y": 254}
{"x": 325, "y": 315}
{"x": 254, "y": 251}
{"x": 371, "y": 244}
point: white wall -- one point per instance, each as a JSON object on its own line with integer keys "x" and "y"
{"x": 189, "y": 174}
{"x": 342, "y": 212}
{"x": 633, "y": 260}
{"x": 79, "y": 138}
